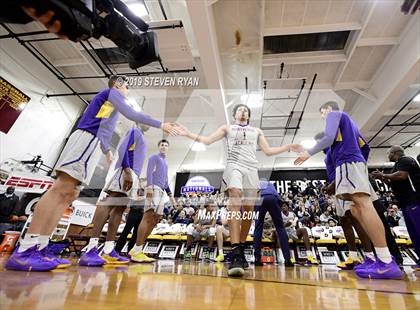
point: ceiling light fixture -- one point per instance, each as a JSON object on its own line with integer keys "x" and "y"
{"x": 137, "y": 7}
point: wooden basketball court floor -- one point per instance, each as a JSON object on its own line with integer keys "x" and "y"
{"x": 168, "y": 284}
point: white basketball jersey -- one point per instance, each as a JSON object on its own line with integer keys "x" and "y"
{"x": 241, "y": 144}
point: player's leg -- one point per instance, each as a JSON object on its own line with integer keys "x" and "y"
{"x": 412, "y": 220}
{"x": 261, "y": 210}
{"x": 390, "y": 239}
{"x": 137, "y": 217}
{"x": 146, "y": 226}
{"x": 302, "y": 234}
{"x": 283, "y": 239}
{"x": 153, "y": 210}
{"x": 353, "y": 184}
{"x": 48, "y": 212}
{"x": 353, "y": 259}
{"x": 109, "y": 253}
{"x": 192, "y": 234}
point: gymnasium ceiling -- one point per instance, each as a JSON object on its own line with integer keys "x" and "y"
{"x": 372, "y": 74}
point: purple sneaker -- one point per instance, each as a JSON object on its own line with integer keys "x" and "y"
{"x": 48, "y": 255}
{"x": 91, "y": 258}
{"x": 366, "y": 264}
{"x": 381, "y": 270}
{"x": 29, "y": 260}
{"x": 114, "y": 258}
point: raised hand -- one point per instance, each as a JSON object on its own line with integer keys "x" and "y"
{"x": 297, "y": 148}
{"x": 303, "y": 156}
{"x": 128, "y": 180}
{"x": 171, "y": 128}
{"x": 182, "y": 130}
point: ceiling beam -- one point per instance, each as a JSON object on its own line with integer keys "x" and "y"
{"x": 280, "y": 31}
{"x": 364, "y": 94}
{"x": 202, "y": 22}
{"x": 403, "y": 65}
{"x": 68, "y": 62}
{"x": 378, "y": 41}
{"x": 304, "y": 58}
{"x": 354, "y": 40}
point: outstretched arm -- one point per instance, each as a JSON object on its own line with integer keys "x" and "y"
{"x": 269, "y": 151}
{"x": 219, "y": 134}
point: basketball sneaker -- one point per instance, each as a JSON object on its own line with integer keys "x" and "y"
{"x": 310, "y": 260}
{"x": 289, "y": 263}
{"x": 29, "y": 260}
{"x": 349, "y": 264}
{"x": 114, "y": 258}
{"x": 236, "y": 266}
{"x": 140, "y": 257}
{"x": 365, "y": 264}
{"x": 381, "y": 270}
{"x": 91, "y": 258}
{"x": 48, "y": 255}
{"x": 220, "y": 258}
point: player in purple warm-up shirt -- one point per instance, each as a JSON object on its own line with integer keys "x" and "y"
{"x": 120, "y": 190}
{"x": 352, "y": 184}
{"x": 157, "y": 194}
{"x": 75, "y": 168}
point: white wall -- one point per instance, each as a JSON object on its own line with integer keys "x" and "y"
{"x": 44, "y": 124}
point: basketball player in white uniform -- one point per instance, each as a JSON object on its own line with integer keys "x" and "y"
{"x": 240, "y": 178}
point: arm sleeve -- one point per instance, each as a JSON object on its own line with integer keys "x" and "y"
{"x": 104, "y": 147}
{"x": 124, "y": 149}
{"x": 150, "y": 169}
{"x": 168, "y": 190}
{"x": 364, "y": 147}
{"x": 119, "y": 103}
{"x": 331, "y": 129}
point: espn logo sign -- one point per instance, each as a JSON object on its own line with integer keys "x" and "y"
{"x": 28, "y": 183}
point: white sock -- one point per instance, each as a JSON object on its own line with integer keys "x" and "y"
{"x": 28, "y": 241}
{"x": 309, "y": 253}
{"x": 353, "y": 255}
{"x": 43, "y": 241}
{"x": 137, "y": 248}
{"x": 370, "y": 255}
{"x": 383, "y": 254}
{"x": 109, "y": 246}
{"x": 93, "y": 243}
{"x": 221, "y": 252}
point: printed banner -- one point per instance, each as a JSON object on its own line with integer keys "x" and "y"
{"x": 12, "y": 103}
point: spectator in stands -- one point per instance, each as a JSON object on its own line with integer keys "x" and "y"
{"x": 294, "y": 188}
{"x": 324, "y": 218}
{"x": 10, "y": 215}
{"x": 294, "y": 232}
{"x": 332, "y": 222}
{"x": 204, "y": 226}
{"x": 393, "y": 218}
{"x": 302, "y": 211}
{"x": 182, "y": 218}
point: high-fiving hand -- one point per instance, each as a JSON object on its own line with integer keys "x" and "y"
{"x": 303, "y": 156}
